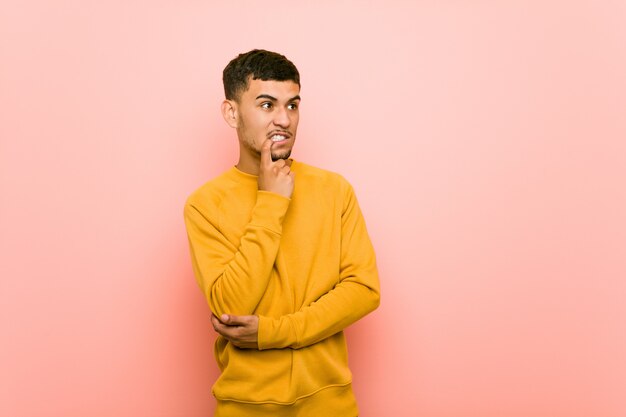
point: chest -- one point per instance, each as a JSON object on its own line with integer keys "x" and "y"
{"x": 311, "y": 228}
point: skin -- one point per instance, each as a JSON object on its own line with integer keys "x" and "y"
{"x": 241, "y": 331}
{"x": 265, "y": 109}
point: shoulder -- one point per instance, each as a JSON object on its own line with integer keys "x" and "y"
{"x": 209, "y": 196}
{"x": 322, "y": 177}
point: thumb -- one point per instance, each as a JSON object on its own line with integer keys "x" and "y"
{"x": 233, "y": 320}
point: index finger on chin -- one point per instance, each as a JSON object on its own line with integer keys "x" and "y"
{"x": 266, "y": 152}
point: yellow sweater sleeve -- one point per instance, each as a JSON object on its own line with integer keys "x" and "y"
{"x": 356, "y": 294}
{"x": 234, "y": 279}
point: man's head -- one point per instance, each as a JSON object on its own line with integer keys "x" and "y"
{"x": 262, "y": 98}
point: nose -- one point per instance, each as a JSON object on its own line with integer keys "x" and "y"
{"x": 282, "y": 117}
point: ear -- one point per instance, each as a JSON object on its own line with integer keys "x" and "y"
{"x": 229, "y": 112}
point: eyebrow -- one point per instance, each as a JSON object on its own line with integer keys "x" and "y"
{"x": 268, "y": 97}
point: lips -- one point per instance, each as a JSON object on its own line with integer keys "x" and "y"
{"x": 279, "y": 136}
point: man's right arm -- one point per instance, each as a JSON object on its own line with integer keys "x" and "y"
{"x": 234, "y": 278}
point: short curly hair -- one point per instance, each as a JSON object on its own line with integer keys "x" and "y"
{"x": 260, "y": 65}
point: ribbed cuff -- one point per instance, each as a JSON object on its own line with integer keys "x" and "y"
{"x": 269, "y": 211}
{"x": 275, "y": 333}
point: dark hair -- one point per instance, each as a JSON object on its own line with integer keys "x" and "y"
{"x": 258, "y": 64}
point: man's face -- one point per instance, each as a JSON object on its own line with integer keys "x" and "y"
{"x": 268, "y": 110}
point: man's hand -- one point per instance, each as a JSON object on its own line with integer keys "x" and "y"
{"x": 274, "y": 176}
{"x": 241, "y": 331}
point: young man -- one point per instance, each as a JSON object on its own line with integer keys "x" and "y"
{"x": 281, "y": 252}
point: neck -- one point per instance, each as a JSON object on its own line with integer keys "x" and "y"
{"x": 249, "y": 165}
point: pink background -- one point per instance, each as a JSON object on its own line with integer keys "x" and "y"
{"x": 486, "y": 142}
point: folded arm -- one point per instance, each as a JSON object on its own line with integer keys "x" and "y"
{"x": 233, "y": 278}
{"x": 356, "y": 294}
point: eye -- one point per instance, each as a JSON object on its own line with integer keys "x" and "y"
{"x": 266, "y": 105}
{"x": 292, "y": 106}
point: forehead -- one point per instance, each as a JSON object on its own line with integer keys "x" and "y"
{"x": 281, "y": 90}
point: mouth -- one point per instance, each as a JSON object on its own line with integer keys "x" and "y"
{"x": 280, "y": 137}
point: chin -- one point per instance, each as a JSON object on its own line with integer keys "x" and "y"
{"x": 281, "y": 155}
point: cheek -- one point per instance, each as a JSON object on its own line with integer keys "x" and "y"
{"x": 251, "y": 126}
{"x": 259, "y": 122}
{"x": 258, "y": 129}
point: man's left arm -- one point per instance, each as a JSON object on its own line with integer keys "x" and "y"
{"x": 356, "y": 294}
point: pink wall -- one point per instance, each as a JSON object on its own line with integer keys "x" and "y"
{"x": 486, "y": 141}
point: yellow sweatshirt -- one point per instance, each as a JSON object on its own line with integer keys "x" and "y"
{"x": 305, "y": 266}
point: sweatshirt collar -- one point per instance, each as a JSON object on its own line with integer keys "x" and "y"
{"x": 243, "y": 177}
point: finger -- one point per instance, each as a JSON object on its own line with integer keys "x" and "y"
{"x": 227, "y": 331}
{"x": 266, "y": 152}
{"x": 222, "y": 329}
{"x": 217, "y": 324}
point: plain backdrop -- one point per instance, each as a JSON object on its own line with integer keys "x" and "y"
{"x": 486, "y": 141}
